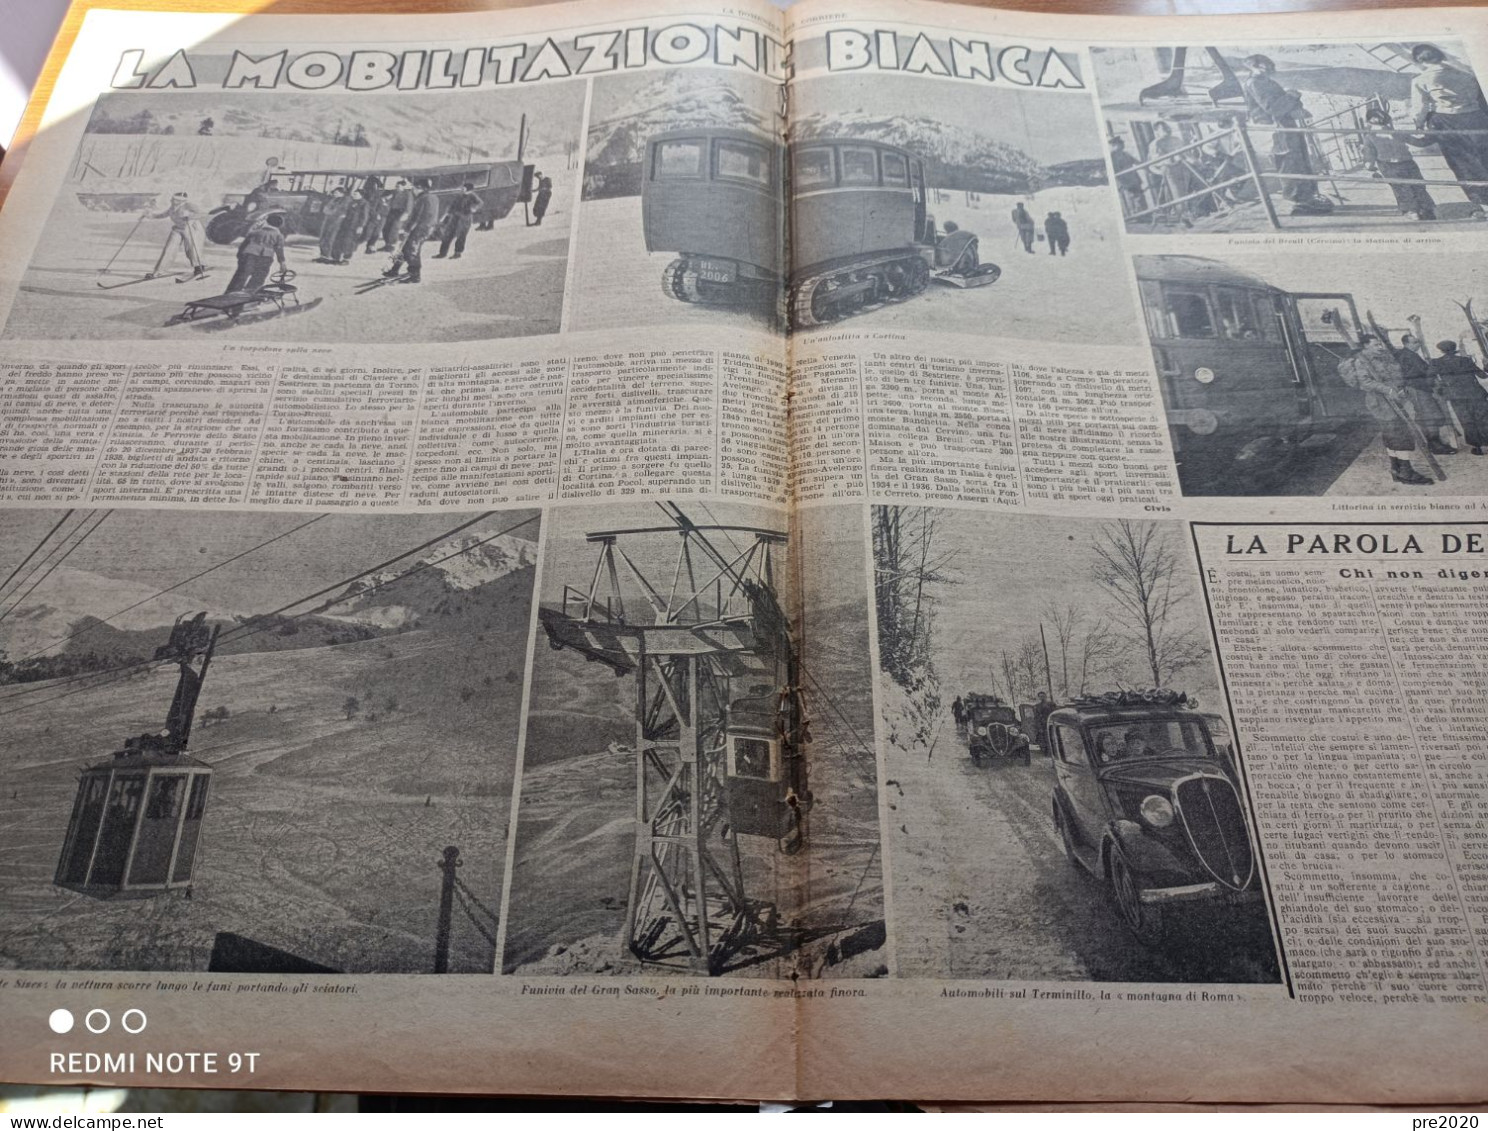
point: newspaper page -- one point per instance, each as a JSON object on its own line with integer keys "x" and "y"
{"x": 1172, "y": 447}
{"x": 763, "y": 541}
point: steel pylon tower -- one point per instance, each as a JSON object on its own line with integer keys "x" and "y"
{"x": 715, "y": 702}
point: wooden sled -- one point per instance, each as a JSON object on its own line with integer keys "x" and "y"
{"x": 233, "y": 303}
{"x": 984, "y": 275}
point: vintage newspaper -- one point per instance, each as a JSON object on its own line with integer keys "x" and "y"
{"x": 880, "y": 550}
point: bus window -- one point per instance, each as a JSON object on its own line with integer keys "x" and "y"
{"x": 1325, "y": 318}
{"x": 859, "y": 166}
{"x": 1189, "y": 310}
{"x": 813, "y": 168}
{"x": 741, "y": 161}
{"x": 1237, "y": 319}
{"x": 678, "y": 159}
{"x": 1268, "y": 316}
{"x": 1152, "y": 307}
{"x": 895, "y": 170}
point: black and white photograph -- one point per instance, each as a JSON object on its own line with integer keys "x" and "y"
{"x": 1295, "y": 136}
{"x": 691, "y": 744}
{"x": 258, "y": 742}
{"x": 928, "y": 205}
{"x": 1066, "y": 799}
{"x": 305, "y": 218}
{"x": 682, "y": 220}
{"x": 1322, "y": 374}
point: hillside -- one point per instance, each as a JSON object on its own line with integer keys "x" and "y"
{"x": 955, "y": 157}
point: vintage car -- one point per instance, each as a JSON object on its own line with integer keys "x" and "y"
{"x": 1146, "y": 801}
{"x": 994, "y": 731}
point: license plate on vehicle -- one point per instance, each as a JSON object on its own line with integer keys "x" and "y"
{"x": 717, "y": 270}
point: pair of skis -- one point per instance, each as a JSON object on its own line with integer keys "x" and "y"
{"x": 186, "y": 278}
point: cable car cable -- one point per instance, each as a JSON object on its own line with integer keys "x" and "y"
{"x": 244, "y": 632}
{"x": 35, "y": 548}
{"x": 173, "y": 588}
{"x": 66, "y": 554}
{"x": 51, "y": 552}
{"x": 358, "y": 576}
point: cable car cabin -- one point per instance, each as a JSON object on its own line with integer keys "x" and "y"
{"x": 861, "y": 230}
{"x": 713, "y": 196}
{"x": 137, "y": 816}
{"x": 300, "y": 196}
{"x": 135, "y": 822}
{"x": 1249, "y": 372}
{"x": 766, "y": 776}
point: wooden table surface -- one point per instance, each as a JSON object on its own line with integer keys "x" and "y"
{"x": 74, "y": 18}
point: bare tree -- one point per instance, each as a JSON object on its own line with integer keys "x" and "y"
{"x": 1138, "y": 566}
{"x": 907, "y": 567}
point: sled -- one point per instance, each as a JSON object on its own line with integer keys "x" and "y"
{"x": 984, "y": 275}
{"x": 231, "y": 305}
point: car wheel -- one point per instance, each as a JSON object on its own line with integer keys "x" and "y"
{"x": 1145, "y": 920}
{"x": 1066, "y": 838}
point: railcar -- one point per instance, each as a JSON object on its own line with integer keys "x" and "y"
{"x": 1249, "y": 371}
{"x": 860, "y": 228}
{"x": 301, "y": 195}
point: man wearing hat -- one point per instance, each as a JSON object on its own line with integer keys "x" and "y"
{"x": 1457, "y": 379}
{"x": 1374, "y": 372}
{"x": 186, "y": 226}
{"x": 1447, "y": 98}
{"x": 1270, "y": 103}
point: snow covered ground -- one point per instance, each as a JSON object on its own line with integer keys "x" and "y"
{"x": 1085, "y": 296}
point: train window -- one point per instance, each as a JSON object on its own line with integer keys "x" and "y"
{"x": 678, "y": 159}
{"x": 1152, "y": 307}
{"x": 1268, "y": 317}
{"x": 813, "y": 168}
{"x": 1189, "y": 311}
{"x": 741, "y": 161}
{"x": 859, "y": 166}
{"x": 1237, "y": 320}
{"x": 895, "y": 170}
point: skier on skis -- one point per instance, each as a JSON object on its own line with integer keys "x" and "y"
{"x": 1376, "y": 373}
{"x": 186, "y": 226}
{"x": 423, "y": 218}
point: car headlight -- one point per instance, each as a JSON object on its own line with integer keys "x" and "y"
{"x": 1203, "y": 375}
{"x": 1157, "y": 811}
{"x": 981, "y": 732}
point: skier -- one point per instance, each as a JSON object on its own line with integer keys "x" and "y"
{"x": 957, "y": 250}
{"x": 186, "y": 226}
{"x": 1415, "y": 371}
{"x": 423, "y": 218}
{"x": 1272, "y": 104}
{"x": 1133, "y": 197}
{"x": 1457, "y": 379}
{"x": 330, "y": 224}
{"x": 1057, "y": 231}
{"x": 457, "y": 222}
{"x": 1445, "y": 99}
{"x": 263, "y": 244}
{"x": 1376, "y": 374}
{"x": 544, "y": 196}
{"x": 1388, "y": 155}
{"x": 1023, "y": 220}
{"x": 398, "y": 204}
{"x": 350, "y": 233}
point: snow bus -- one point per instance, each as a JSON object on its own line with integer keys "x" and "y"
{"x": 301, "y": 195}
{"x": 1249, "y": 371}
{"x": 860, "y": 226}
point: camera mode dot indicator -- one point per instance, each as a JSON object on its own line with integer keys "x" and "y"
{"x": 60, "y": 1021}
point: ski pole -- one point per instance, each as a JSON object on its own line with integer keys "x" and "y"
{"x": 104, "y": 270}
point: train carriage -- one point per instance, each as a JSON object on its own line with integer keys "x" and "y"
{"x": 301, "y": 195}
{"x": 859, "y": 225}
{"x": 1249, "y": 371}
